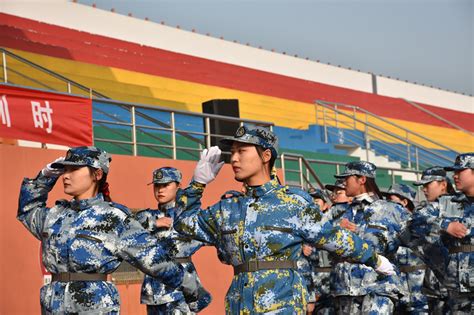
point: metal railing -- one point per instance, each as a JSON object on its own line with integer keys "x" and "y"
{"x": 161, "y": 125}
{"x": 68, "y": 83}
{"x": 307, "y": 177}
{"x": 438, "y": 117}
{"x": 363, "y": 128}
{"x": 307, "y": 174}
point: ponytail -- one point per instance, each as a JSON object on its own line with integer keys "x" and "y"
{"x": 104, "y": 188}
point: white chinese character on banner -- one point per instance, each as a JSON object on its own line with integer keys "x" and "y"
{"x": 4, "y": 113}
{"x": 42, "y": 115}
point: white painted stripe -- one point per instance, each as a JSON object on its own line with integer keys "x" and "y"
{"x": 109, "y": 24}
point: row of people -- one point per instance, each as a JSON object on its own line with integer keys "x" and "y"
{"x": 260, "y": 232}
{"x": 420, "y": 290}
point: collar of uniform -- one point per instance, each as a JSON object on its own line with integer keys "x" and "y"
{"x": 259, "y": 191}
{"x": 365, "y": 197}
{"x": 460, "y": 197}
{"x": 86, "y": 203}
{"x": 167, "y": 206}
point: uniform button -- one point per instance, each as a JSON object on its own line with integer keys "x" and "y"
{"x": 69, "y": 215}
{"x": 56, "y": 293}
{"x": 246, "y": 246}
{"x": 246, "y": 284}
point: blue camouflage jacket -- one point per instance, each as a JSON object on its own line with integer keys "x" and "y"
{"x": 89, "y": 236}
{"x": 445, "y": 255}
{"x": 270, "y": 222}
{"x": 154, "y": 291}
{"x": 379, "y": 223}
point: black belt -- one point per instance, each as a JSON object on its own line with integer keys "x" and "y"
{"x": 323, "y": 269}
{"x": 254, "y": 265}
{"x": 183, "y": 260}
{"x": 70, "y": 276}
{"x": 461, "y": 249}
{"x": 407, "y": 269}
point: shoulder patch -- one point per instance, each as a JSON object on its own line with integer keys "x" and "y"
{"x": 231, "y": 194}
{"x": 120, "y": 207}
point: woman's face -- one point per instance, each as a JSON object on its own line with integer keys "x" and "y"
{"x": 339, "y": 196}
{"x": 399, "y": 200}
{"x": 434, "y": 189}
{"x": 323, "y": 206}
{"x": 464, "y": 180}
{"x": 165, "y": 193}
{"x": 80, "y": 183}
{"x": 246, "y": 162}
{"x": 354, "y": 185}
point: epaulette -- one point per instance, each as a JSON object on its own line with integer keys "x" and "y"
{"x": 120, "y": 207}
{"x": 231, "y": 194}
{"x": 298, "y": 192}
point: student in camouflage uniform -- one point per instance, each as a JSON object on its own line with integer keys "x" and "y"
{"x": 321, "y": 264}
{"x": 412, "y": 268}
{"x": 358, "y": 288}
{"x": 159, "y": 298}
{"x": 338, "y": 192}
{"x": 451, "y": 256}
{"x": 86, "y": 238}
{"x": 261, "y": 233}
{"x": 435, "y": 183}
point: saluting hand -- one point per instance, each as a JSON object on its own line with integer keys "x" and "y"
{"x": 48, "y": 171}
{"x": 164, "y": 222}
{"x": 457, "y": 229}
{"x": 348, "y": 225}
{"x": 208, "y": 166}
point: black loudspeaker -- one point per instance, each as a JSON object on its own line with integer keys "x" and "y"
{"x": 221, "y": 127}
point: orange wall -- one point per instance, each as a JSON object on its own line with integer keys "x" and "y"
{"x": 20, "y": 275}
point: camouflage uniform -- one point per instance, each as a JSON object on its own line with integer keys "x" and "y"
{"x": 358, "y": 288}
{"x": 161, "y": 299}
{"x": 266, "y": 225}
{"x": 321, "y": 269}
{"x": 88, "y": 236}
{"x": 434, "y": 291}
{"x": 450, "y": 258}
{"x": 412, "y": 268}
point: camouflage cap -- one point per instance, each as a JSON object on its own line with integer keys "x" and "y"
{"x": 86, "y": 156}
{"x": 401, "y": 190}
{"x": 361, "y": 168}
{"x": 166, "y": 175}
{"x": 258, "y": 135}
{"x": 339, "y": 184}
{"x": 318, "y": 193}
{"x": 435, "y": 173}
{"x": 463, "y": 161}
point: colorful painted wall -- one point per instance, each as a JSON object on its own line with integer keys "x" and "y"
{"x": 149, "y": 63}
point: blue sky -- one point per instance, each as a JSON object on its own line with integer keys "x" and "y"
{"x": 429, "y": 42}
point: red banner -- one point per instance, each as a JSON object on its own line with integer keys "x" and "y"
{"x": 45, "y": 117}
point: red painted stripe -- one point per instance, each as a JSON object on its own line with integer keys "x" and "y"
{"x": 55, "y": 41}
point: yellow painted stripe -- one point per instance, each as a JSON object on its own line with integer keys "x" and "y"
{"x": 142, "y": 88}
